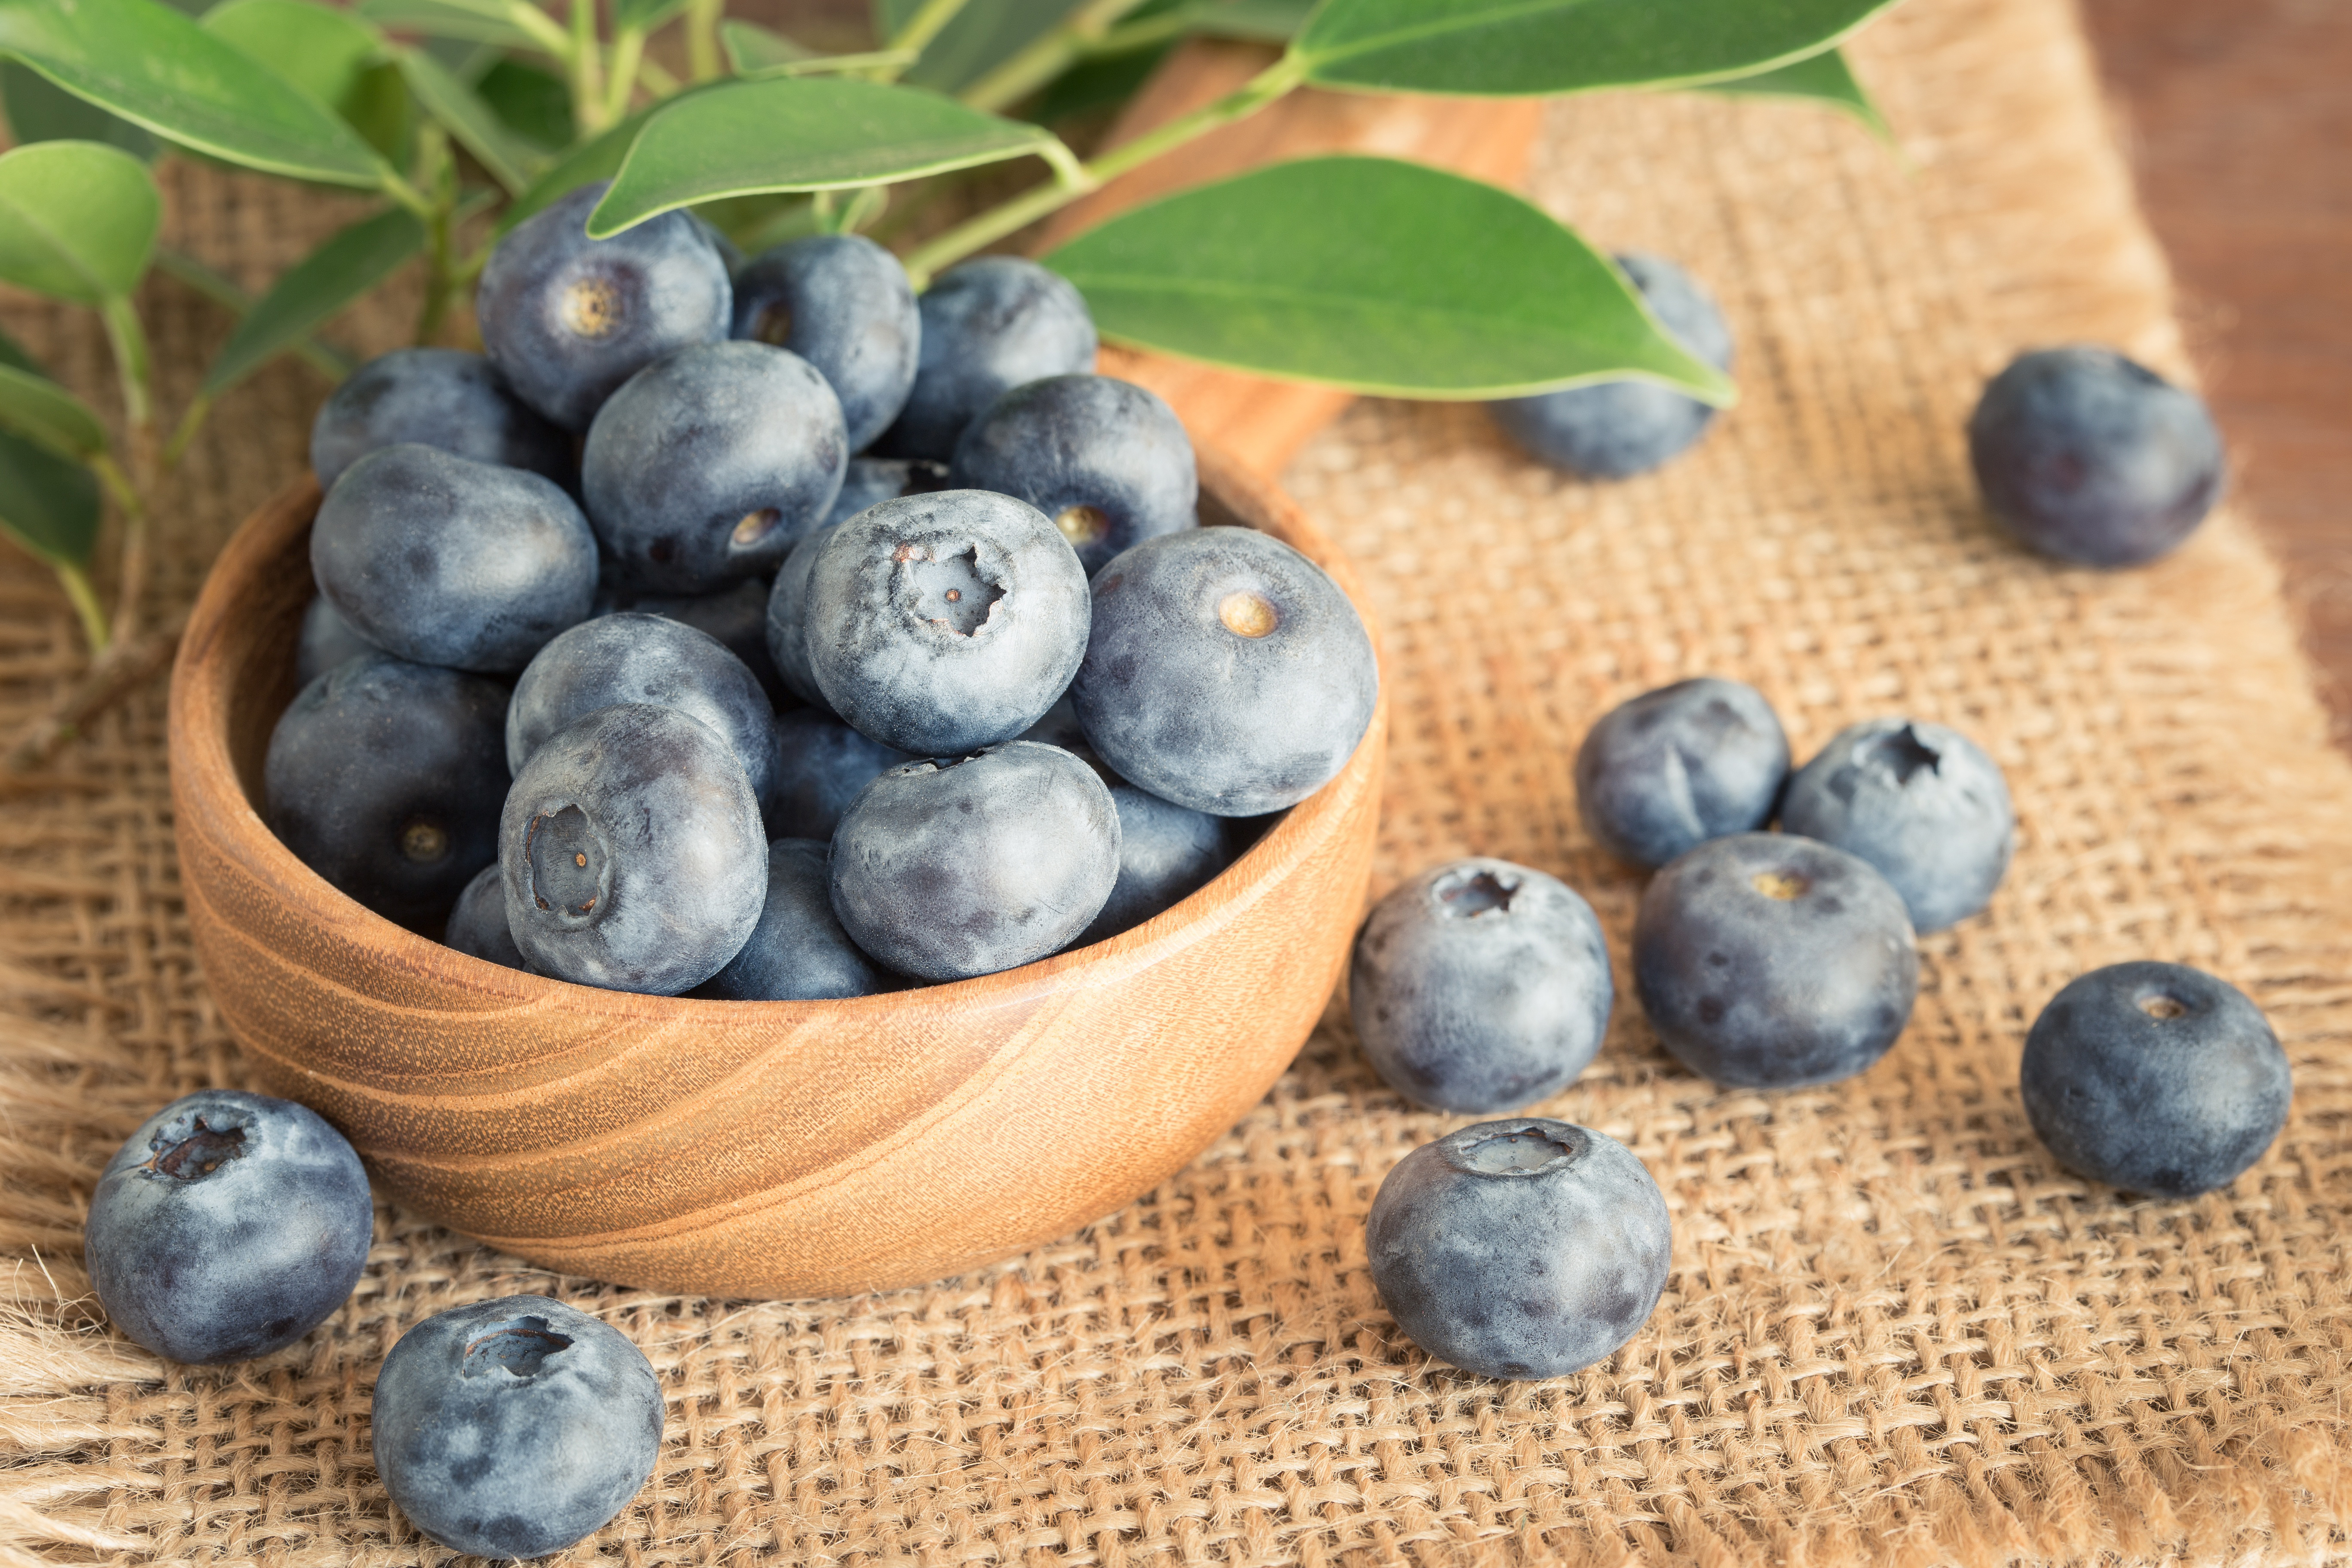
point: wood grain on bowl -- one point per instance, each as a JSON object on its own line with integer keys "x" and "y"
{"x": 745, "y": 1148}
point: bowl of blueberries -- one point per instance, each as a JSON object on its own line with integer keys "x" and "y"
{"x": 760, "y": 784}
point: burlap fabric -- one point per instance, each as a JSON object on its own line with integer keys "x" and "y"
{"x": 1896, "y": 1330}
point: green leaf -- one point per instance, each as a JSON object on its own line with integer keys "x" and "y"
{"x": 644, "y": 16}
{"x": 313, "y": 289}
{"x": 1520, "y": 48}
{"x": 1375, "y": 275}
{"x": 320, "y": 51}
{"x": 598, "y": 159}
{"x": 153, "y": 67}
{"x": 35, "y": 406}
{"x": 468, "y": 120}
{"x": 40, "y": 111}
{"x": 1826, "y": 78}
{"x": 1259, "y": 21}
{"x": 509, "y": 23}
{"x": 78, "y": 220}
{"x": 534, "y": 104}
{"x": 752, "y": 48}
{"x": 49, "y": 504}
{"x": 779, "y": 134}
{"x": 983, "y": 35}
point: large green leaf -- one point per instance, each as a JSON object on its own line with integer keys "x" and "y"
{"x": 509, "y": 23}
{"x": 1530, "y": 47}
{"x": 983, "y": 36}
{"x": 331, "y": 55}
{"x": 78, "y": 220}
{"x": 1264, "y": 21}
{"x": 462, "y": 113}
{"x": 153, "y": 67}
{"x": 783, "y": 133}
{"x": 33, "y": 405}
{"x": 40, "y": 111}
{"x": 1826, "y": 78}
{"x": 1375, "y": 275}
{"x": 314, "y": 289}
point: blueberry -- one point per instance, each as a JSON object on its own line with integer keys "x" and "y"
{"x": 869, "y": 481}
{"x": 1767, "y": 961}
{"x": 989, "y": 325}
{"x": 631, "y": 852}
{"x": 1520, "y": 1248}
{"x": 477, "y": 923}
{"x": 947, "y": 869}
{"x": 2086, "y": 455}
{"x": 327, "y": 640}
{"x": 633, "y": 657}
{"x": 1615, "y": 429}
{"x": 798, "y": 952}
{"x": 705, "y": 466}
{"x": 386, "y": 778}
{"x": 1673, "y": 767}
{"x": 515, "y": 1427}
{"x": 940, "y": 624}
{"x": 1166, "y": 854}
{"x": 436, "y": 397}
{"x": 443, "y": 560}
{"x": 737, "y": 617}
{"x": 567, "y": 319}
{"x": 229, "y": 1225}
{"x": 821, "y": 765}
{"x": 844, "y": 304}
{"x": 1225, "y": 671}
{"x": 1106, "y": 461}
{"x": 1480, "y": 986}
{"x": 1922, "y": 803}
{"x": 2154, "y": 1077}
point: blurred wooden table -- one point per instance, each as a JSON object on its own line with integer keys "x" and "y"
{"x": 2239, "y": 120}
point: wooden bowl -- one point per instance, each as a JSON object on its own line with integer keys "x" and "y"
{"x": 745, "y": 1148}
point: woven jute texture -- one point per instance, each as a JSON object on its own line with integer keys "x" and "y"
{"x": 1896, "y": 1332}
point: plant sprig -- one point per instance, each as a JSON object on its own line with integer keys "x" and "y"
{"x": 1435, "y": 286}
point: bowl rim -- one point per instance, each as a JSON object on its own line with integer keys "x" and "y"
{"x": 212, "y": 801}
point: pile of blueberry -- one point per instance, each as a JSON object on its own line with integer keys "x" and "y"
{"x": 1027, "y": 701}
{"x": 1765, "y": 960}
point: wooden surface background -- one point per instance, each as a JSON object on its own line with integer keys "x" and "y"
{"x": 2238, "y": 124}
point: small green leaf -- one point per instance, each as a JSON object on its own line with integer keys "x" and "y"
{"x": 509, "y": 23}
{"x": 1521, "y": 47}
{"x": 599, "y": 159}
{"x": 1826, "y": 78}
{"x": 534, "y": 104}
{"x": 644, "y": 16}
{"x": 1374, "y": 275}
{"x": 779, "y": 134}
{"x": 983, "y": 35}
{"x": 313, "y": 289}
{"x": 78, "y": 220}
{"x": 1259, "y": 21}
{"x": 153, "y": 67}
{"x": 752, "y": 48}
{"x": 49, "y": 504}
{"x": 35, "y": 406}
{"x": 466, "y": 118}
{"x": 320, "y": 51}
{"x": 40, "y": 111}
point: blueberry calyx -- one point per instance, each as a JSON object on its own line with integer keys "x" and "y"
{"x": 1480, "y": 893}
{"x": 1514, "y": 1149}
{"x": 519, "y": 1347}
{"x": 424, "y": 841}
{"x": 1083, "y": 525}
{"x": 950, "y": 590}
{"x": 593, "y": 308}
{"x": 1902, "y": 754}
{"x": 198, "y": 1153}
{"x": 1248, "y": 615}
{"x": 2163, "y": 1006}
{"x": 570, "y": 865}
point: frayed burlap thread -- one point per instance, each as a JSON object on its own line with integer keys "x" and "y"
{"x": 1895, "y": 1332}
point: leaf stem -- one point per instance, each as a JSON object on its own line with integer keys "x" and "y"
{"x": 658, "y": 81}
{"x": 128, "y": 341}
{"x": 84, "y": 599}
{"x": 132, "y": 366}
{"x": 1071, "y": 183}
{"x": 928, "y": 20}
{"x": 701, "y": 41}
{"x": 190, "y": 423}
{"x": 587, "y": 63}
{"x": 116, "y": 674}
{"x": 628, "y": 54}
{"x": 1049, "y": 55}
